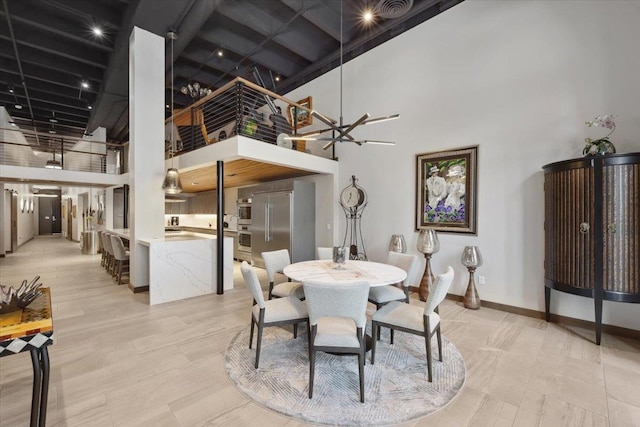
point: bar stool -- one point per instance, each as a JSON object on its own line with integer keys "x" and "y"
{"x": 101, "y": 249}
{"x": 121, "y": 257}
{"x": 106, "y": 241}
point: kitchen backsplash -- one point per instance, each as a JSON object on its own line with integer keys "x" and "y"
{"x": 203, "y": 221}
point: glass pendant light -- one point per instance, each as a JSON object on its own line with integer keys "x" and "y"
{"x": 171, "y": 184}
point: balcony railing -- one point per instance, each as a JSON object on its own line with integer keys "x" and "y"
{"x": 237, "y": 108}
{"x": 27, "y": 148}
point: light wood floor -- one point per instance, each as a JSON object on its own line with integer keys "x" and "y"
{"x": 117, "y": 361}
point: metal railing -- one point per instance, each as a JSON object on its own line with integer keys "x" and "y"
{"x": 20, "y": 147}
{"x": 237, "y": 108}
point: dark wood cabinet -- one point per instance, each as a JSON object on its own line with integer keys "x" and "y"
{"x": 592, "y": 229}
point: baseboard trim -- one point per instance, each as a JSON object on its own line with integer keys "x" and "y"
{"x": 137, "y": 289}
{"x": 555, "y": 318}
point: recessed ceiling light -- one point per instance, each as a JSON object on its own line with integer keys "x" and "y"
{"x": 18, "y": 107}
{"x": 51, "y": 131}
{"x": 367, "y": 16}
{"x": 97, "y": 31}
{"x": 89, "y": 107}
{"x": 277, "y": 78}
{"x": 10, "y": 89}
{"x": 85, "y": 85}
{"x": 220, "y": 53}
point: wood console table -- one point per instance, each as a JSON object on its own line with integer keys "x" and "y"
{"x": 31, "y": 329}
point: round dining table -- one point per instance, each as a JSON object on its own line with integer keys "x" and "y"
{"x": 326, "y": 271}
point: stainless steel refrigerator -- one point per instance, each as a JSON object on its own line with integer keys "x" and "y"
{"x": 284, "y": 219}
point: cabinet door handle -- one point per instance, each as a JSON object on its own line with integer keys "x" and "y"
{"x": 611, "y": 228}
{"x": 584, "y": 227}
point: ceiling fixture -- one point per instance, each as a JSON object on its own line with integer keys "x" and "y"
{"x": 53, "y": 121}
{"x": 171, "y": 184}
{"x": 85, "y": 85}
{"x": 391, "y": 9}
{"x": 343, "y": 131}
{"x": 195, "y": 91}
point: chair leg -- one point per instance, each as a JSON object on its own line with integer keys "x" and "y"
{"x": 427, "y": 341}
{"x": 375, "y": 328}
{"x": 295, "y": 331}
{"x": 439, "y": 342}
{"x": 253, "y": 322}
{"x": 391, "y": 333}
{"x": 120, "y": 272}
{"x": 312, "y": 360}
{"x": 270, "y": 289}
{"x": 361, "y": 372}
{"x": 361, "y": 362}
{"x": 258, "y": 344}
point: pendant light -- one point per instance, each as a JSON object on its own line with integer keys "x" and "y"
{"x": 171, "y": 184}
{"x": 342, "y": 131}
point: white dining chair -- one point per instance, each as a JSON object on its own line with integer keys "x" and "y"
{"x": 324, "y": 253}
{"x": 275, "y": 262}
{"x": 381, "y": 295}
{"x": 415, "y": 319}
{"x": 337, "y": 317}
{"x": 277, "y": 312}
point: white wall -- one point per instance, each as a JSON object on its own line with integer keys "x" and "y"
{"x": 519, "y": 79}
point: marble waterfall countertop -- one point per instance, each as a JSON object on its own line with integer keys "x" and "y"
{"x": 183, "y": 264}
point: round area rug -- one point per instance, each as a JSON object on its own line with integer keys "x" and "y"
{"x": 396, "y": 387}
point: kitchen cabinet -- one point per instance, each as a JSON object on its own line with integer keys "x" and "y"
{"x": 205, "y": 202}
{"x": 592, "y": 229}
{"x": 173, "y": 208}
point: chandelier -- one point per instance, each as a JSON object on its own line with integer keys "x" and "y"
{"x": 195, "y": 91}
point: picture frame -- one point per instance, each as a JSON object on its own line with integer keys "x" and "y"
{"x": 302, "y": 117}
{"x": 448, "y": 180}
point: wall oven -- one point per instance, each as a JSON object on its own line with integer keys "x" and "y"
{"x": 244, "y": 243}
{"x": 244, "y": 211}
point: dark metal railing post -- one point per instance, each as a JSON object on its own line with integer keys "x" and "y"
{"x": 220, "y": 227}
{"x": 61, "y": 153}
{"x": 239, "y": 96}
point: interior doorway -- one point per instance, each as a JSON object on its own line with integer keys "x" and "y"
{"x": 49, "y": 213}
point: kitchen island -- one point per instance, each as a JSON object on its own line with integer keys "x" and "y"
{"x": 184, "y": 265}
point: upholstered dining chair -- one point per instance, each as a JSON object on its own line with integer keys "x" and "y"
{"x": 337, "y": 317}
{"x": 281, "y": 311}
{"x": 120, "y": 256}
{"x": 275, "y": 262}
{"x": 415, "y": 319}
{"x": 381, "y": 295}
{"x": 324, "y": 253}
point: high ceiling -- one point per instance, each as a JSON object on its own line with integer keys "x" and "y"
{"x": 48, "y": 49}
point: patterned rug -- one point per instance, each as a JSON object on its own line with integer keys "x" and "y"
{"x": 396, "y": 387}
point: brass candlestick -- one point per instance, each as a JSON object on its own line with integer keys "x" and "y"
{"x": 428, "y": 244}
{"x": 471, "y": 259}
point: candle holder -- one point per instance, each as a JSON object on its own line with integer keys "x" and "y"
{"x": 398, "y": 244}
{"x": 472, "y": 259}
{"x": 428, "y": 244}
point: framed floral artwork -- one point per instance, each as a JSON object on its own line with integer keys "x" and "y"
{"x": 446, "y": 190}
